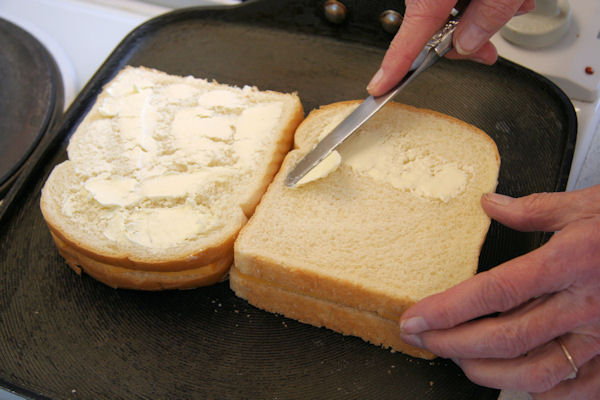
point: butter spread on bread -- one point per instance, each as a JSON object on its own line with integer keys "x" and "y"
{"x": 399, "y": 219}
{"x": 161, "y": 175}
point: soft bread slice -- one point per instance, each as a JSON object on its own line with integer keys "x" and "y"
{"x": 400, "y": 219}
{"x": 162, "y": 174}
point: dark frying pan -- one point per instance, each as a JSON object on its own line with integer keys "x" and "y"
{"x": 25, "y": 115}
{"x": 64, "y": 336}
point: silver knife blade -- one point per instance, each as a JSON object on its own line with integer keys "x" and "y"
{"x": 439, "y": 45}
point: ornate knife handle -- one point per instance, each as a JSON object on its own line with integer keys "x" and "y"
{"x": 441, "y": 42}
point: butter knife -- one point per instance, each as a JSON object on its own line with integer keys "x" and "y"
{"x": 435, "y": 49}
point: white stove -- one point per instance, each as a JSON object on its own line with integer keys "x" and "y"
{"x": 68, "y": 27}
{"x": 573, "y": 64}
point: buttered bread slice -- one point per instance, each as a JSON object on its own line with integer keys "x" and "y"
{"x": 398, "y": 218}
{"x": 162, "y": 174}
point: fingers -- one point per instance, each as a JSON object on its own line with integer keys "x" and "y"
{"x": 480, "y": 21}
{"x": 585, "y": 386}
{"x": 517, "y": 332}
{"x": 539, "y": 371}
{"x": 499, "y": 289}
{"x": 487, "y": 54}
{"x": 527, "y": 6}
{"x": 422, "y": 19}
{"x": 550, "y": 292}
{"x": 568, "y": 261}
{"x": 542, "y": 211}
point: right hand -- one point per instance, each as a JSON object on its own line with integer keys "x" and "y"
{"x": 480, "y": 21}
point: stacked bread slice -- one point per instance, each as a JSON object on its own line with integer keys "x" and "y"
{"x": 398, "y": 220}
{"x": 161, "y": 175}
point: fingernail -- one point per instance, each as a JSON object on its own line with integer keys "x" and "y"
{"x": 376, "y": 79}
{"x": 413, "y": 325}
{"x": 413, "y": 340}
{"x": 498, "y": 199}
{"x": 470, "y": 39}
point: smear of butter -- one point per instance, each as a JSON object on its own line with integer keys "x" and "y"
{"x": 322, "y": 169}
{"x": 388, "y": 159}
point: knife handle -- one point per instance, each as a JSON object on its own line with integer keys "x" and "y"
{"x": 461, "y": 6}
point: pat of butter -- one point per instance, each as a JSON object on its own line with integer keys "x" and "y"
{"x": 322, "y": 169}
{"x": 165, "y": 227}
{"x": 220, "y": 98}
{"x": 112, "y": 192}
{"x": 253, "y": 131}
{"x": 178, "y": 91}
{"x": 189, "y": 125}
{"x": 168, "y": 186}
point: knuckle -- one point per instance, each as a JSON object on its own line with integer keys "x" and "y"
{"x": 442, "y": 348}
{"x": 495, "y": 13}
{"x": 532, "y": 209}
{"x": 507, "y": 340}
{"x": 499, "y": 293}
{"x": 418, "y": 7}
{"x": 428, "y": 10}
{"x": 539, "y": 377}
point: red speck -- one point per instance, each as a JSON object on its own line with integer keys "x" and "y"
{"x": 589, "y": 70}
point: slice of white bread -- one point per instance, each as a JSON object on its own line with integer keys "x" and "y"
{"x": 398, "y": 220}
{"x": 162, "y": 174}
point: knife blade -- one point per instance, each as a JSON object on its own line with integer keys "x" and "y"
{"x": 435, "y": 49}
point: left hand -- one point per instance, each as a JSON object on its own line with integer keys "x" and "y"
{"x": 550, "y": 293}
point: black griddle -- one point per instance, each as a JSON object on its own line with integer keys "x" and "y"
{"x": 68, "y": 337}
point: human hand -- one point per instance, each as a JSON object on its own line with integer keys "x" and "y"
{"x": 423, "y": 18}
{"x": 550, "y": 293}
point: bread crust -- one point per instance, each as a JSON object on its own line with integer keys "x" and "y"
{"x": 127, "y": 261}
{"x": 124, "y": 278}
{"x": 326, "y": 288}
{"x": 321, "y": 313}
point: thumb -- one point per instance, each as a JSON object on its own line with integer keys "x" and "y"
{"x": 546, "y": 212}
{"x": 421, "y": 19}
